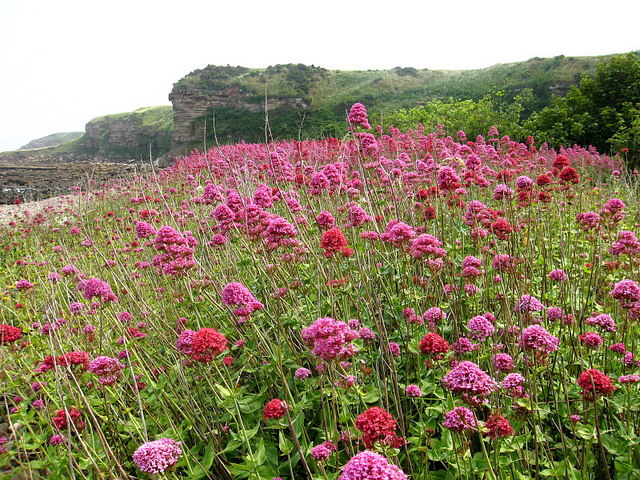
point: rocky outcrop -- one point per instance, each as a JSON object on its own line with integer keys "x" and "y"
{"x": 130, "y": 136}
{"x": 238, "y": 97}
{"x": 189, "y": 106}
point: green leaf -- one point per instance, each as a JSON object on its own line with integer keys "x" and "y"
{"x": 284, "y": 444}
{"x": 224, "y": 392}
{"x": 207, "y": 460}
{"x": 372, "y": 396}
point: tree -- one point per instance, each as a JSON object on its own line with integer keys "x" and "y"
{"x": 603, "y": 110}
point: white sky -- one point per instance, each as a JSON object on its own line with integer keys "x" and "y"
{"x": 64, "y": 62}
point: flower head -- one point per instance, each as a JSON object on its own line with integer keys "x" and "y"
{"x": 330, "y": 339}
{"x": 434, "y": 345}
{"x": 469, "y": 380}
{"x": 9, "y": 333}
{"x": 593, "y": 383}
{"x": 378, "y": 425}
{"x": 497, "y": 426}
{"x": 275, "y": 408}
{"x": 459, "y": 419}
{"x": 369, "y": 465}
{"x": 157, "y": 456}
{"x": 358, "y": 116}
{"x": 536, "y": 338}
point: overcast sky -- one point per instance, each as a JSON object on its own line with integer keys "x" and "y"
{"x": 64, "y": 62}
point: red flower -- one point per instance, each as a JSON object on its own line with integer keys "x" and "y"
{"x": 497, "y": 426}
{"x": 61, "y": 419}
{"x": 73, "y": 358}
{"x": 9, "y": 333}
{"x": 434, "y": 345}
{"x": 594, "y": 383}
{"x": 207, "y": 344}
{"x": 569, "y": 175}
{"x": 543, "y": 180}
{"x": 276, "y": 408}
{"x": 501, "y": 228}
{"x": 560, "y": 162}
{"x": 378, "y": 425}
{"x": 333, "y": 241}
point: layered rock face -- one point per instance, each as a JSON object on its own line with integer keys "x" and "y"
{"x": 189, "y": 106}
{"x": 131, "y": 135}
{"x": 238, "y": 98}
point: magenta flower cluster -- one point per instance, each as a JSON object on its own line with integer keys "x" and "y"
{"x": 470, "y": 381}
{"x": 176, "y": 249}
{"x": 157, "y": 456}
{"x": 238, "y": 295}
{"x": 106, "y": 368}
{"x": 368, "y": 465}
{"x": 96, "y": 288}
{"x": 536, "y": 338}
{"x": 358, "y": 116}
{"x": 330, "y": 339}
{"x": 459, "y": 419}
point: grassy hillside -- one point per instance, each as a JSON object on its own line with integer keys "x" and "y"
{"x": 329, "y": 93}
{"x": 52, "y": 140}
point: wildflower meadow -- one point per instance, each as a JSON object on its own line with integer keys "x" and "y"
{"x": 391, "y": 305}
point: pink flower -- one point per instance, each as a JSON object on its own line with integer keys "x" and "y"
{"x": 558, "y": 275}
{"x": 502, "y": 362}
{"x": 537, "y": 339}
{"x": 358, "y": 116}
{"x": 157, "y": 456}
{"x": 176, "y": 249}
{"x": 95, "y": 287}
{"x": 448, "y": 179}
{"x": 602, "y": 320}
{"x": 322, "y": 452}
{"x": 513, "y": 380}
{"x": 106, "y": 368}
{"x": 357, "y": 216}
{"x": 398, "y": 232}
{"x": 480, "y": 328}
{"x": 426, "y": 246}
{"x": 591, "y": 339}
{"x": 527, "y": 304}
{"x": 145, "y": 230}
{"x": 524, "y": 183}
{"x": 368, "y": 465}
{"x": 330, "y": 339}
{"x": 325, "y": 219}
{"x": 459, "y": 419}
{"x": 413, "y": 391}
{"x": 235, "y": 293}
{"x": 469, "y": 380}
{"x": 627, "y": 292}
{"x": 463, "y": 345}
{"x": 23, "y": 285}
{"x": 302, "y": 373}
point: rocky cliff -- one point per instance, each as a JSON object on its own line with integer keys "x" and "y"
{"x": 232, "y": 101}
{"x": 129, "y": 136}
